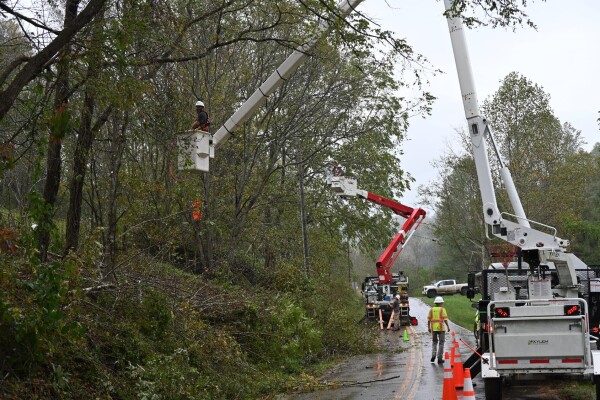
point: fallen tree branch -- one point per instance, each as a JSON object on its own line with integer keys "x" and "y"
{"x": 354, "y": 383}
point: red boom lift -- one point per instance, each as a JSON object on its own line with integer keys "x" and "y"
{"x": 379, "y": 290}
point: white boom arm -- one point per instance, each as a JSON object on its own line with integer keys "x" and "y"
{"x": 259, "y": 97}
{"x": 518, "y": 233}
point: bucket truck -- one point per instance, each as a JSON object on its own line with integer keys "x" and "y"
{"x": 378, "y": 290}
{"x": 196, "y": 148}
{"x": 537, "y": 315}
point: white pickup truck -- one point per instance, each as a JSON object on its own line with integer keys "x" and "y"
{"x": 447, "y": 286}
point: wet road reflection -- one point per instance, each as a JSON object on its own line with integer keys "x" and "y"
{"x": 404, "y": 373}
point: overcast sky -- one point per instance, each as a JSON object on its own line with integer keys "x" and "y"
{"x": 562, "y": 56}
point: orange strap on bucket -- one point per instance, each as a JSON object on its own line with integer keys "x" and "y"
{"x": 197, "y": 210}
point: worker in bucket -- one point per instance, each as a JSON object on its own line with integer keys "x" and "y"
{"x": 337, "y": 169}
{"x": 436, "y": 319}
{"x": 395, "y": 305}
{"x": 201, "y": 122}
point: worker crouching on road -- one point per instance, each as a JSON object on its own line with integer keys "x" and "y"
{"x": 395, "y": 305}
{"x": 436, "y": 319}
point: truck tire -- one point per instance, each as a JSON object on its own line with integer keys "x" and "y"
{"x": 493, "y": 388}
{"x": 597, "y": 383}
{"x": 463, "y": 291}
{"x": 431, "y": 293}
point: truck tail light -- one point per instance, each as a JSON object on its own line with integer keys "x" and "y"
{"x": 502, "y": 312}
{"x": 572, "y": 310}
{"x": 508, "y": 361}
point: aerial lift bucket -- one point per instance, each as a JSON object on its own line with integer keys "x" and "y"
{"x": 194, "y": 150}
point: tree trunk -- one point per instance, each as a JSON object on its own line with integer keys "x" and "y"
{"x": 58, "y": 128}
{"x": 208, "y": 260}
{"x": 303, "y": 212}
{"x": 80, "y": 160}
{"x": 116, "y": 150}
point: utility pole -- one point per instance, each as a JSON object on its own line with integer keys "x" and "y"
{"x": 302, "y": 208}
{"x": 349, "y": 263}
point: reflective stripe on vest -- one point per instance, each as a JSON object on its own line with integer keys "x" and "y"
{"x": 437, "y": 315}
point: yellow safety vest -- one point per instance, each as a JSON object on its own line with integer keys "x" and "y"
{"x": 437, "y": 316}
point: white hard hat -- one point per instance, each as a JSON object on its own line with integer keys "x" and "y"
{"x": 438, "y": 300}
{"x": 199, "y": 103}
{"x": 397, "y": 296}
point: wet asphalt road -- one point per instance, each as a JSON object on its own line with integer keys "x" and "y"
{"x": 407, "y": 374}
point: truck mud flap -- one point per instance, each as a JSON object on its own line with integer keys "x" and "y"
{"x": 474, "y": 363}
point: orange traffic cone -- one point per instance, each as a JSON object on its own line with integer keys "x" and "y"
{"x": 453, "y": 345}
{"x": 468, "y": 392}
{"x": 457, "y": 368}
{"x": 449, "y": 392}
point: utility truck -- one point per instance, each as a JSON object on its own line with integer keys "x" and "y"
{"x": 379, "y": 290}
{"x": 447, "y": 286}
{"x": 377, "y": 298}
{"x": 540, "y": 314}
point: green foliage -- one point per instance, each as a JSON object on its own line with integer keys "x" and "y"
{"x": 145, "y": 341}
{"x": 33, "y": 320}
{"x": 168, "y": 376}
{"x": 291, "y": 339}
{"x": 155, "y": 315}
{"x": 338, "y": 311}
{"x": 419, "y": 277}
{"x": 505, "y": 13}
{"x": 60, "y": 123}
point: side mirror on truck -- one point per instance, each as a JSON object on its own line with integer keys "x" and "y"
{"x": 470, "y": 286}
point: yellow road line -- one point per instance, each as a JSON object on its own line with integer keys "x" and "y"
{"x": 411, "y": 381}
{"x": 407, "y": 374}
{"x": 419, "y": 369}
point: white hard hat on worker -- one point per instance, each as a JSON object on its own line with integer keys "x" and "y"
{"x": 438, "y": 300}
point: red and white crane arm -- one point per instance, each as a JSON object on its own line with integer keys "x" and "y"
{"x": 346, "y": 187}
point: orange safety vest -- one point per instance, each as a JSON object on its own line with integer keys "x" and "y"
{"x": 437, "y": 316}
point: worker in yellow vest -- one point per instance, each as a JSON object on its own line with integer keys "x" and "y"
{"x": 436, "y": 319}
